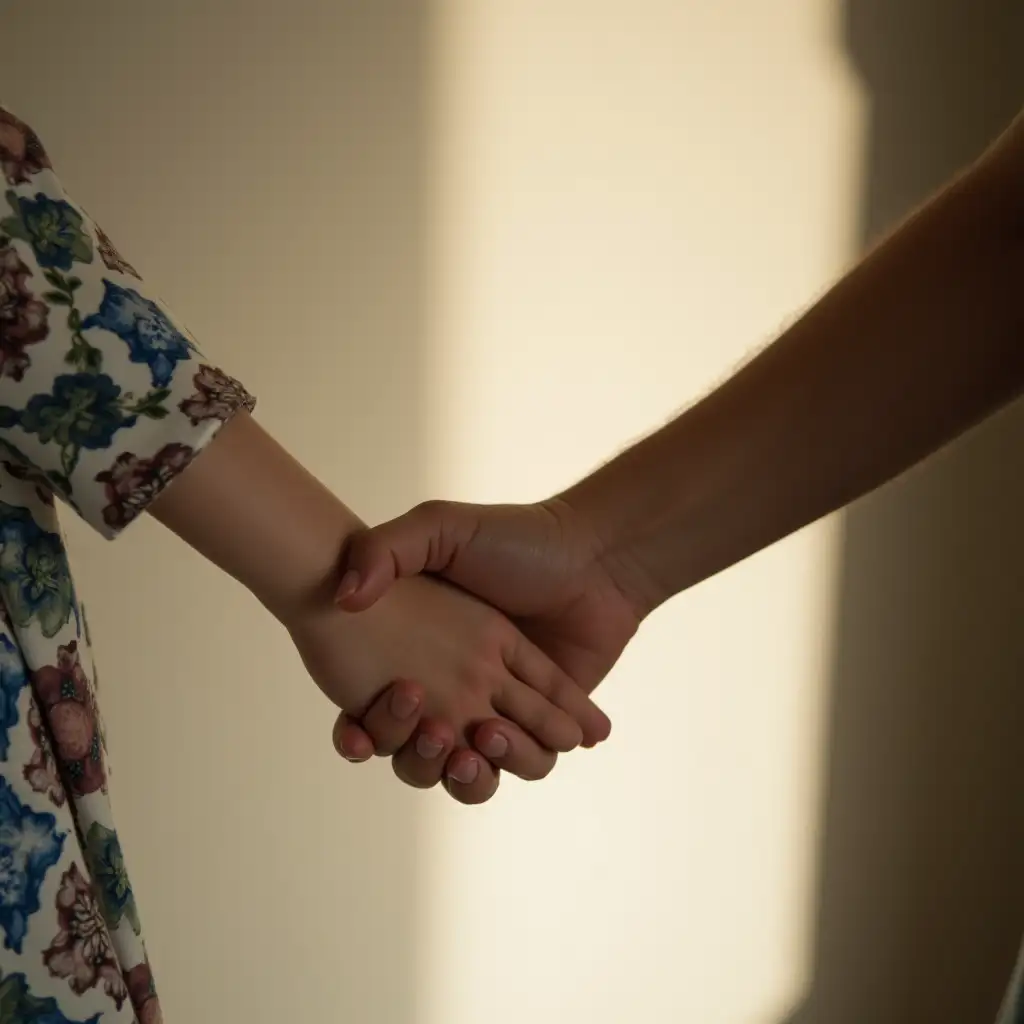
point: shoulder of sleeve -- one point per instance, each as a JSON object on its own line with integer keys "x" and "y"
{"x": 104, "y": 396}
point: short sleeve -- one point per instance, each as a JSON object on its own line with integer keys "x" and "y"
{"x": 104, "y": 397}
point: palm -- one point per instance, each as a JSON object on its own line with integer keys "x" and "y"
{"x": 534, "y": 563}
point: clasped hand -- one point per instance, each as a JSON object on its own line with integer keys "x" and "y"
{"x": 544, "y": 568}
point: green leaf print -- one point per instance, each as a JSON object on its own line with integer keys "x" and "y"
{"x": 106, "y": 861}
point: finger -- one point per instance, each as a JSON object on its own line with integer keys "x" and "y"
{"x": 527, "y": 662}
{"x": 425, "y": 539}
{"x": 469, "y": 778}
{"x": 393, "y": 716}
{"x": 512, "y": 750}
{"x": 549, "y": 725}
{"x": 351, "y": 740}
{"x": 420, "y": 763}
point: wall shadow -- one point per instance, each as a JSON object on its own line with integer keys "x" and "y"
{"x": 263, "y": 165}
{"x": 921, "y": 892}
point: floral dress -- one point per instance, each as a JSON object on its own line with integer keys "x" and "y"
{"x": 103, "y": 400}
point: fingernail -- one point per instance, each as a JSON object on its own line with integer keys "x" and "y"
{"x": 494, "y": 746}
{"x": 428, "y": 748}
{"x": 465, "y": 772}
{"x": 348, "y": 586}
{"x": 354, "y": 760}
{"x": 403, "y": 705}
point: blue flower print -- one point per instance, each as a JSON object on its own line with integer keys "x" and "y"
{"x": 52, "y": 227}
{"x": 19, "y": 1006}
{"x": 13, "y": 679}
{"x": 82, "y": 411}
{"x": 29, "y": 846}
{"x": 35, "y": 579}
{"x": 145, "y": 328}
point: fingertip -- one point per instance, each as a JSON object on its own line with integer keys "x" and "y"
{"x": 357, "y": 600}
{"x": 570, "y": 739}
{"x": 357, "y": 589}
{"x": 405, "y": 700}
{"x": 490, "y": 740}
{"x": 342, "y": 724}
{"x": 394, "y": 716}
{"x": 434, "y": 739}
{"x": 370, "y": 584}
{"x": 354, "y": 598}
{"x": 464, "y": 768}
{"x": 349, "y": 585}
{"x": 352, "y": 743}
{"x": 470, "y": 779}
{"x": 598, "y": 730}
{"x": 517, "y": 752}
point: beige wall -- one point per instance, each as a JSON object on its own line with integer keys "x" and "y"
{"x": 622, "y": 205}
{"x": 470, "y": 255}
{"x": 262, "y": 168}
{"x": 469, "y": 248}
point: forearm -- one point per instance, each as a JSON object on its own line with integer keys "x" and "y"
{"x": 923, "y": 340}
{"x": 252, "y": 510}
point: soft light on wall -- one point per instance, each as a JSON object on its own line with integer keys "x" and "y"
{"x": 624, "y": 202}
{"x": 611, "y": 203}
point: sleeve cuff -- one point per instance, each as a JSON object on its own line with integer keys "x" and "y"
{"x": 137, "y": 477}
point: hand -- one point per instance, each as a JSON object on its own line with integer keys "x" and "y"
{"x": 254, "y": 511}
{"x": 472, "y": 662}
{"x": 544, "y": 566}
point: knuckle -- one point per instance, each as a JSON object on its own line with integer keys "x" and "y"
{"x": 362, "y": 546}
{"x": 545, "y": 725}
{"x": 368, "y": 551}
{"x": 545, "y": 685}
{"x": 430, "y": 509}
{"x": 525, "y": 711}
{"x": 385, "y": 741}
{"x": 477, "y": 684}
{"x": 497, "y": 637}
{"x": 483, "y": 672}
{"x": 560, "y": 690}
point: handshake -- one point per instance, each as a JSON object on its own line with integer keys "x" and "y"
{"x": 525, "y": 611}
{"x": 457, "y": 638}
{"x": 460, "y": 639}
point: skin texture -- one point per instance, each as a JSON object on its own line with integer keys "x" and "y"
{"x": 550, "y": 580}
{"x": 237, "y": 505}
{"x": 917, "y": 344}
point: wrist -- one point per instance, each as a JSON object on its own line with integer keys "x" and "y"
{"x": 620, "y": 522}
{"x": 296, "y": 582}
{"x": 663, "y": 510}
{"x": 252, "y": 510}
{"x": 298, "y": 568}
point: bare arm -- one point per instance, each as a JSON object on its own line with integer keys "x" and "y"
{"x": 251, "y": 509}
{"x": 921, "y": 341}
{"x": 918, "y": 343}
{"x": 106, "y": 401}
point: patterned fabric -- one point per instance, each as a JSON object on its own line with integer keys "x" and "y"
{"x": 104, "y": 399}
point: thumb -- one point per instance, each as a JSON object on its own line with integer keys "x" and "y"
{"x": 425, "y": 539}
